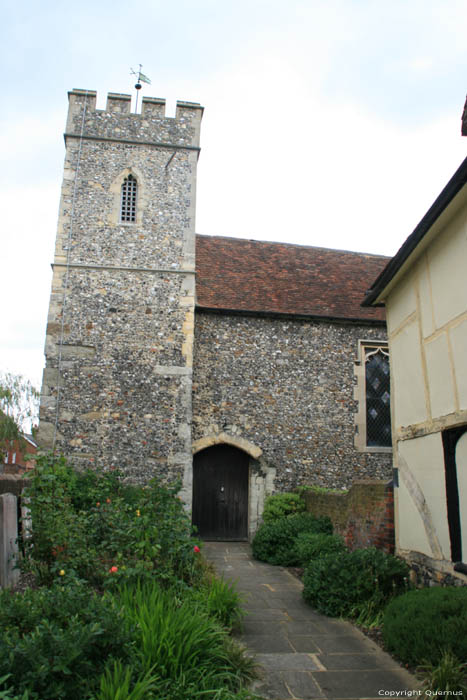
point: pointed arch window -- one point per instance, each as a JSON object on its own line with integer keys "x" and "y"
{"x": 129, "y": 195}
{"x": 378, "y": 409}
{"x": 372, "y": 393}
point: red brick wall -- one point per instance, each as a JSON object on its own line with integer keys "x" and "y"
{"x": 364, "y": 515}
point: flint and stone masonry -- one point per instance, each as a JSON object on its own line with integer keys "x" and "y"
{"x": 129, "y": 346}
{"x": 119, "y": 346}
{"x": 286, "y": 385}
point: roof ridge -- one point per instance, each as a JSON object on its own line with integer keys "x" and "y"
{"x": 292, "y": 245}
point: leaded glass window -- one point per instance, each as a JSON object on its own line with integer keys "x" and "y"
{"x": 128, "y": 202}
{"x": 377, "y": 388}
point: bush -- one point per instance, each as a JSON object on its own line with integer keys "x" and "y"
{"x": 310, "y": 545}
{"x": 280, "y": 505}
{"x": 54, "y": 641}
{"x": 86, "y": 524}
{"x": 275, "y": 542}
{"x": 354, "y": 584}
{"x": 422, "y": 624}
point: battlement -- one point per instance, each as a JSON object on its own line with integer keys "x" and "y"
{"x": 117, "y": 120}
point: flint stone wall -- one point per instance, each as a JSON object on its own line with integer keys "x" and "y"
{"x": 287, "y": 386}
{"x": 117, "y": 385}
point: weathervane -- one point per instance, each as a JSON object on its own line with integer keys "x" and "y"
{"x": 140, "y": 78}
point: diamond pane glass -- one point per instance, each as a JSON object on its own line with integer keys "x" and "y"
{"x": 378, "y": 411}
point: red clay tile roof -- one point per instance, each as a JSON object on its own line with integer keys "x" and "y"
{"x": 244, "y": 275}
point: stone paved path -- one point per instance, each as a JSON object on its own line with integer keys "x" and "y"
{"x": 302, "y": 654}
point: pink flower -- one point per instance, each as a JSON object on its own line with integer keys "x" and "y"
{"x": 113, "y": 569}
{"x": 196, "y": 549}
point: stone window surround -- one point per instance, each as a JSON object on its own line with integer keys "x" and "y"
{"x": 360, "y": 396}
{"x": 129, "y": 199}
{"x": 116, "y": 190}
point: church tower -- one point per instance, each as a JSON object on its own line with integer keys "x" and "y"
{"x": 119, "y": 346}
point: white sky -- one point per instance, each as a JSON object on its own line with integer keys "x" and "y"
{"x": 327, "y": 122}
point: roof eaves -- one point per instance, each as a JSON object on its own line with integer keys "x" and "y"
{"x": 364, "y": 320}
{"x": 454, "y": 186}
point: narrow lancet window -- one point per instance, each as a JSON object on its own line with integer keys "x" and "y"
{"x": 378, "y": 410}
{"x": 128, "y": 203}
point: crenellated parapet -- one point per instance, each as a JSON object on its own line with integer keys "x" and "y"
{"x": 118, "y": 123}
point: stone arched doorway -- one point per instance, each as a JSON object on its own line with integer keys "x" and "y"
{"x": 220, "y": 493}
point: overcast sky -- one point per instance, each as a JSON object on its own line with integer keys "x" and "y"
{"x": 332, "y": 123}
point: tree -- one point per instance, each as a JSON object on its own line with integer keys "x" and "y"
{"x": 19, "y": 408}
{"x": 19, "y": 400}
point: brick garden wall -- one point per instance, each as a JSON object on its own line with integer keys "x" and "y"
{"x": 364, "y": 515}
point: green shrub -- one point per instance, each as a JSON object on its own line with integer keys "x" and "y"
{"x": 54, "y": 641}
{"x": 310, "y": 545}
{"x": 422, "y": 624}
{"x": 279, "y": 505}
{"x": 354, "y": 584}
{"x": 275, "y": 542}
{"x": 85, "y": 524}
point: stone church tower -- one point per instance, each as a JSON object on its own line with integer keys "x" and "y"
{"x": 119, "y": 345}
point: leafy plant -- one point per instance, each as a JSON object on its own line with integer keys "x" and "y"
{"x": 448, "y": 675}
{"x": 423, "y": 624}
{"x": 8, "y": 693}
{"x": 179, "y": 642}
{"x": 54, "y": 641}
{"x": 91, "y": 524}
{"x": 354, "y": 584}
{"x": 279, "y": 505}
{"x": 274, "y": 542}
{"x": 221, "y": 601}
{"x": 310, "y": 545}
{"x": 118, "y": 683}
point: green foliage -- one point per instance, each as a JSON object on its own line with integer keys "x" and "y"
{"x": 221, "y": 601}
{"x": 310, "y": 545}
{"x": 96, "y": 529}
{"x": 423, "y": 624}
{"x": 279, "y": 505}
{"x": 274, "y": 542}
{"x": 118, "y": 682}
{"x": 181, "y": 644}
{"x": 53, "y": 641}
{"x": 9, "y": 693}
{"x": 448, "y": 675}
{"x": 354, "y": 584}
{"x": 19, "y": 400}
{"x": 159, "y": 630}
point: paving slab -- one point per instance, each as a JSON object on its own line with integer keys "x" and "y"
{"x": 302, "y": 654}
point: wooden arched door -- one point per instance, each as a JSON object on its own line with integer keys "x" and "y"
{"x": 220, "y": 493}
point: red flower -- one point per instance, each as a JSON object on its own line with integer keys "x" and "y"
{"x": 108, "y": 500}
{"x": 196, "y": 549}
{"x": 98, "y": 504}
{"x": 113, "y": 569}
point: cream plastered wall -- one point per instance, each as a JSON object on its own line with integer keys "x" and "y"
{"x": 427, "y": 329}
